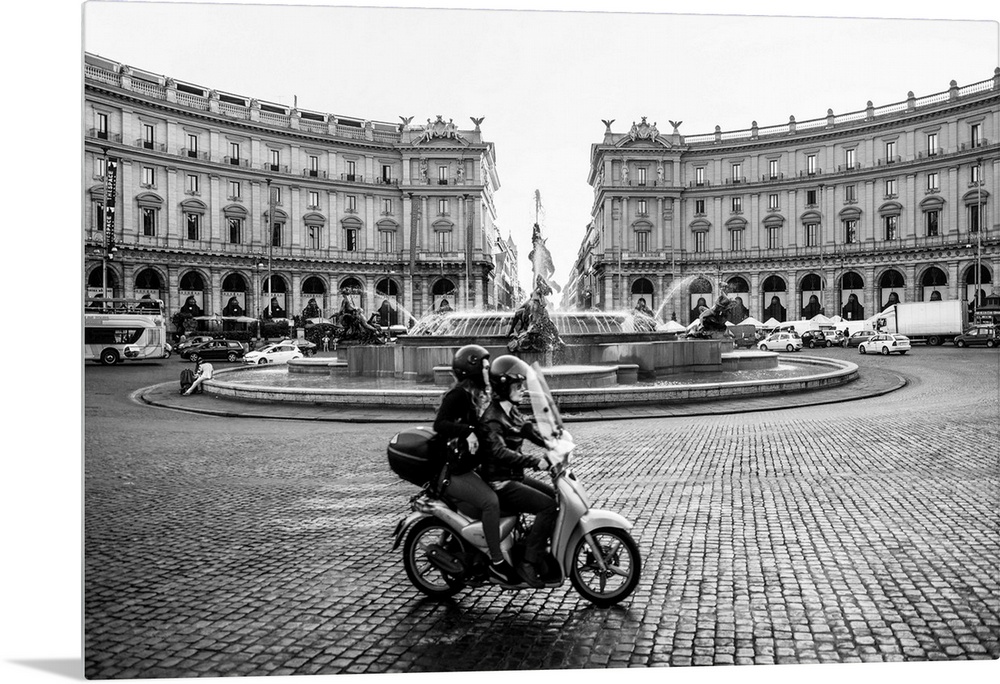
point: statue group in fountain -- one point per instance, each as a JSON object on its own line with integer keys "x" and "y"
{"x": 711, "y": 321}
{"x": 531, "y": 328}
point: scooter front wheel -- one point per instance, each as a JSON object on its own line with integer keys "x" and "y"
{"x": 618, "y": 553}
{"x": 424, "y": 575}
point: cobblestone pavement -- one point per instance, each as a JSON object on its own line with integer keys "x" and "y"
{"x": 856, "y": 532}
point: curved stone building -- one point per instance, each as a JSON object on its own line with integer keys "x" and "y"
{"x": 842, "y": 214}
{"x": 394, "y": 217}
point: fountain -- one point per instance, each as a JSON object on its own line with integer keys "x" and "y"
{"x": 590, "y": 359}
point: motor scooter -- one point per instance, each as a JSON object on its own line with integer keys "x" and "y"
{"x": 445, "y": 551}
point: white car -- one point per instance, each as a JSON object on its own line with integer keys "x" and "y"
{"x": 781, "y": 340}
{"x": 885, "y": 344}
{"x": 273, "y": 353}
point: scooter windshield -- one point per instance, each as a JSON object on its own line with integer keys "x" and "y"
{"x": 549, "y": 422}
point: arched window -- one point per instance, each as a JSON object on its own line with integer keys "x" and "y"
{"x": 353, "y": 292}
{"x": 443, "y": 295}
{"x": 148, "y": 279}
{"x": 891, "y": 288}
{"x": 811, "y": 296}
{"x": 773, "y": 295}
{"x": 387, "y": 300}
{"x": 852, "y": 295}
{"x": 643, "y": 293}
{"x": 700, "y": 297}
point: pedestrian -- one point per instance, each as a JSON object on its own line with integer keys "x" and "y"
{"x": 326, "y": 342}
{"x": 503, "y": 429}
{"x": 202, "y": 371}
{"x": 455, "y": 425}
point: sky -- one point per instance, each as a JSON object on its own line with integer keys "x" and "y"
{"x": 543, "y": 82}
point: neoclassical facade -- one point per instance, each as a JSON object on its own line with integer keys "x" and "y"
{"x": 396, "y": 217}
{"x": 841, "y": 214}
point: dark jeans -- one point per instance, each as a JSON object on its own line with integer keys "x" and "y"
{"x": 471, "y": 489}
{"x": 531, "y": 496}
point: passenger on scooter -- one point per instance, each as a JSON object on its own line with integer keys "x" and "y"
{"x": 504, "y": 430}
{"x": 456, "y": 424}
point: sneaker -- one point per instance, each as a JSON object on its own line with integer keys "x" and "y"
{"x": 529, "y": 573}
{"x": 502, "y": 573}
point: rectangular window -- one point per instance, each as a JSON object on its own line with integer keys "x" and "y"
{"x": 699, "y": 206}
{"x": 699, "y": 241}
{"x": 850, "y": 231}
{"x": 387, "y": 207}
{"x": 352, "y": 168}
{"x": 890, "y": 152}
{"x": 975, "y": 218}
{"x": 442, "y": 175}
{"x": 699, "y": 175}
{"x": 387, "y": 240}
{"x": 772, "y": 201}
{"x": 148, "y": 176}
{"x": 849, "y": 158}
{"x": 276, "y": 195}
{"x": 275, "y": 156}
{"x": 235, "y": 231}
{"x": 737, "y": 172}
{"x": 234, "y": 153}
{"x": 102, "y": 126}
{"x": 276, "y": 235}
{"x": 352, "y": 204}
{"x": 642, "y": 175}
{"x": 811, "y": 164}
{"x": 313, "y": 165}
{"x": 812, "y": 234}
{"x": 850, "y": 193}
{"x": 890, "y": 188}
{"x": 736, "y": 240}
{"x": 642, "y": 207}
{"x": 235, "y": 190}
{"x": 931, "y": 222}
{"x": 932, "y": 144}
{"x": 351, "y": 239}
{"x": 442, "y": 207}
{"x": 193, "y": 222}
{"x": 889, "y": 225}
{"x": 312, "y": 234}
{"x": 100, "y": 167}
{"x": 192, "y": 145}
{"x": 193, "y": 184}
{"x": 975, "y": 134}
{"x": 932, "y": 181}
{"x": 386, "y": 173}
{"x": 642, "y": 241}
{"x": 313, "y": 199}
{"x": 772, "y": 168}
{"x": 443, "y": 240}
{"x": 737, "y": 204}
{"x": 974, "y": 173}
{"x": 148, "y": 222}
{"x": 772, "y": 237}
{"x": 148, "y": 136}
{"x": 810, "y": 197}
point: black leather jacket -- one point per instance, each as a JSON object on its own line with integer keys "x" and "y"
{"x": 500, "y": 439}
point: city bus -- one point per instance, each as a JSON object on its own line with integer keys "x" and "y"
{"x": 116, "y": 330}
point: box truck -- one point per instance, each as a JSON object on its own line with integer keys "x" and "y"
{"x": 932, "y": 322}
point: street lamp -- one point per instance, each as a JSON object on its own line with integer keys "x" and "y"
{"x": 979, "y": 235}
{"x": 270, "y": 237}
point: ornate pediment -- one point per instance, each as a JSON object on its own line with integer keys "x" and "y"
{"x": 642, "y": 133}
{"x": 441, "y": 130}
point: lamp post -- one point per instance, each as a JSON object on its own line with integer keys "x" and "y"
{"x": 979, "y": 235}
{"x": 270, "y": 238}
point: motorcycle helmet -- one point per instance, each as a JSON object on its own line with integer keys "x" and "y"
{"x": 469, "y": 362}
{"x": 506, "y": 371}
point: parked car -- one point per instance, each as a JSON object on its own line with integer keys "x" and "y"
{"x": 978, "y": 335}
{"x": 860, "y": 336}
{"x": 885, "y": 344}
{"x": 815, "y": 338}
{"x": 192, "y": 341}
{"x": 230, "y": 350}
{"x": 836, "y": 338}
{"x": 282, "y": 352}
{"x": 783, "y": 340}
{"x": 305, "y": 346}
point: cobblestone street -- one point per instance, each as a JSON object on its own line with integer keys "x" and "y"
{"x": 857, "y": 532}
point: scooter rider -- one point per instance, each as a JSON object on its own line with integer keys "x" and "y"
{"x": 504, "y": 430}
{"x": 455, "y": 426}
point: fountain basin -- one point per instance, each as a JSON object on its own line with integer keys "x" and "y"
{"x": 316, "y": 366}
{"x": 565, "y": 377}
{"x": 817, "y": 373}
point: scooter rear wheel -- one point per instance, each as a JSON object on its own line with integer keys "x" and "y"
{"x": 620, "y": 554}
{"x": 424, "y": 575}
